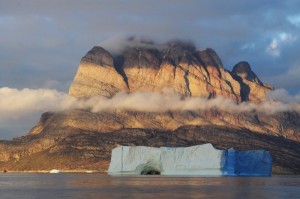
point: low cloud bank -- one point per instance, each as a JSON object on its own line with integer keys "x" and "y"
{"x": 169, "y": 101}
{"x": 21, "y": 109}
{"x": 25, "y": 106}
{"x": 116, "y": 44}
{"x": 15, "y": 103}
{"x": 284, "y": 96}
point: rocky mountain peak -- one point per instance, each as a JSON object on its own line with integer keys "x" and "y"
{"x": 175, "y": 64}
{"x": 99, "y": 56}
{"x": 139, "y": 57}
{"x": 243, "y": 70}
{"x": 208, "y": 57}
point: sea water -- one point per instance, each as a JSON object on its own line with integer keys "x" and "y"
{"x": 95, "y": 185}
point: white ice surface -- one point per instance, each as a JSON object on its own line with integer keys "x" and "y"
{"x": 195, "y": 160}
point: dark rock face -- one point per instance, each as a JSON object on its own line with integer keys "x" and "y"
{"x": 177, "y": 51}
{"x": 99, "y": 56}
{"x": 174, "y": 51}
{"x": 248, "y": 80}
{"x": 140, "y": 57}
{"x": 209, "y": 57}
{"x": 245, "y": 88}
{"x": 243, "y": 70}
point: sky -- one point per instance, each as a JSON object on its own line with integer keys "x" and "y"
{"x": 43, "y": 41}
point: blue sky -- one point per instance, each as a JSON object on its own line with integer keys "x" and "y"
{"x": 43, "y": 41}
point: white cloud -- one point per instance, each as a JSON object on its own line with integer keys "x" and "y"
{"x": 285, "y": 37}
{"x": 117, "y": 43}
{"x": 23, "y": 107}
{"x": 248, "y": 46}
{"x": 284, "y": 96}
{"x": 50, "y": 40}
{"x": 15, "y": 103}
{"x": 18, "y": 103}
{"x": 294, "y": 19}
{"x": 275, "y": 47}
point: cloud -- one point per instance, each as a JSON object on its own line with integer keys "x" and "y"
{"x": 170, "y": 101}
{"x": 283, "y": 96}
{"x": 117, "y": 43}
{"x": 294, "y": 19}
{"x": 41, "y": 40}
{"x": 42, "y": 43}
{"x": 17, "y": 103}
{"x": 274, "y": 48}
{"x": 21, "y": 108}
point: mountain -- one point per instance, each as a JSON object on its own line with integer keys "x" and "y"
{"x": 80, "y": 139}
{"x": 176, "y": 65}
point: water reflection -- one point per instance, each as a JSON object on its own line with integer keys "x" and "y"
{"x": 103, "y": 186}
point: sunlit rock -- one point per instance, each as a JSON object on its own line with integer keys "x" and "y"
{"x": 177, "y": 65}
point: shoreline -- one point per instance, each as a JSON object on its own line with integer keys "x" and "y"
{"x": 60, "y": 171}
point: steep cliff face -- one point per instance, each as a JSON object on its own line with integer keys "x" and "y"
{"x": 252, "y": 89}
{"x": 180, "y": 66}
{"x": 96, "y": 75}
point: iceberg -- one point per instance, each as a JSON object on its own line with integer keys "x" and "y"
{"x": 199, "y": 160}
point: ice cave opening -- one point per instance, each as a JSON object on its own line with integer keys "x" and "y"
{"x": 150, "y": 168}
{"x": 150, "y": 172}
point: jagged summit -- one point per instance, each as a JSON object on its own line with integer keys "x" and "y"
{"x": 175, "y": 64}
{"x": 209, "y": 57}
{"x": 99, "y": 56}
{"x": 140, "y": 57}
{"x": 243, "y": 70}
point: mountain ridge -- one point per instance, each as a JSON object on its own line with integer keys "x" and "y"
{"x": 180, "y": 66}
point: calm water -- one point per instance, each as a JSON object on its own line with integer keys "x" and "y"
{"x": 66, "y": 185}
